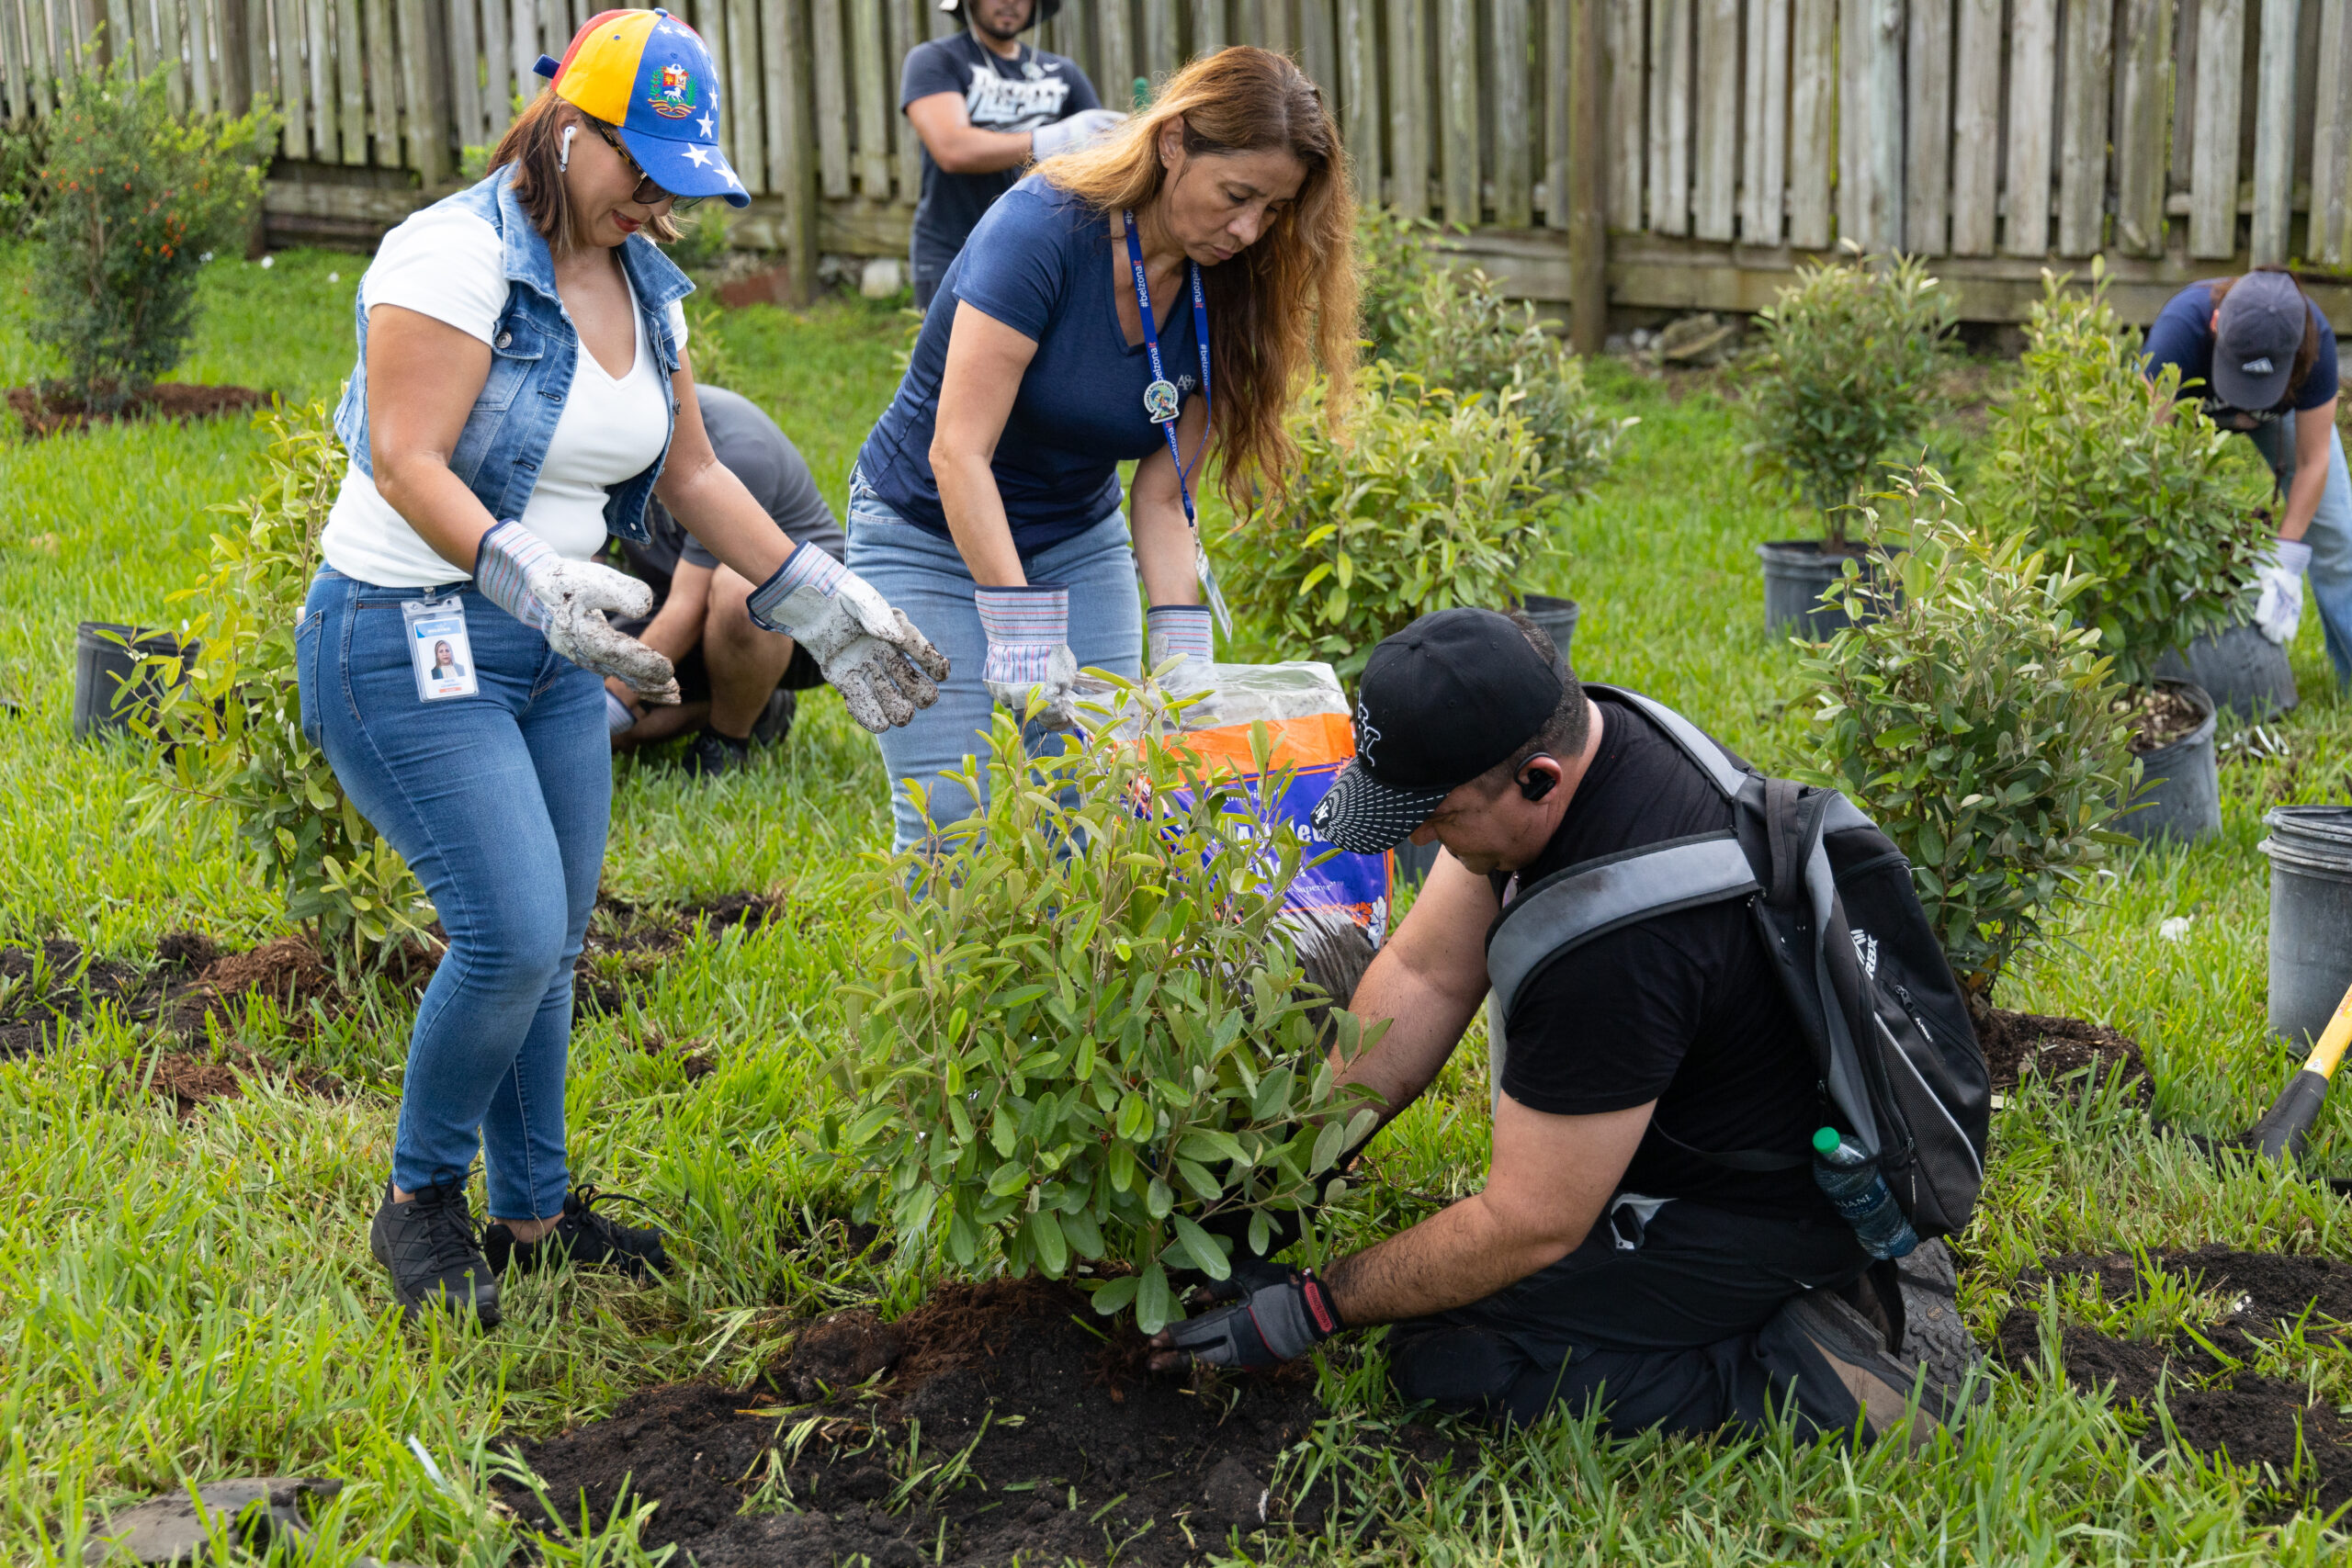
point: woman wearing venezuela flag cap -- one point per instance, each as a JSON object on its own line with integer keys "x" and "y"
{"x": 522, "y": 387}
{"x": 1145, "y": 299}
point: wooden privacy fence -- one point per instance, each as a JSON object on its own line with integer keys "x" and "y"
{"x": 1694, "y": 149}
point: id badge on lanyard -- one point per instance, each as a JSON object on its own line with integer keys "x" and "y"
{"x": 1162, "y": 404}
{"x": 438, "y": 649}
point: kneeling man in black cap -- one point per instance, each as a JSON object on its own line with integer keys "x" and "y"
{"x": 1606, "y": 1255}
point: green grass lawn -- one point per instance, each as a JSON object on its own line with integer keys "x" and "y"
{"x": 193, "y": 1299}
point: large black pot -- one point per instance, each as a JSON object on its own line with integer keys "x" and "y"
{"x": 2311, "y": 912}
{"x": 1557, "y": 616}
{"x": 2180, "y": 793}
{"x": 111, "y": 679}
{"x": 2243, "y": 671}
{"x": 1796, "y": 573}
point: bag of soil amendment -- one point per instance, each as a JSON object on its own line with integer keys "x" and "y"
{"x": 1901, "y": 1070}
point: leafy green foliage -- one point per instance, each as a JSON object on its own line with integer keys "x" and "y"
{"x": 1977, "y": 721}
{"x": 1094, "y": 1039}
{"x": 702, "y": 237}
{"x": 2097, "y": 463}
{"x": 234, "y": 728}
{"x": 1428, "y": 499}
{"x": 135, "y": 197}
{"x": 1395, "y": 256}
{"x": 1845, "y": 375}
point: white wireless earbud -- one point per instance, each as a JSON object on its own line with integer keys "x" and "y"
{"x": 563, "y": 153}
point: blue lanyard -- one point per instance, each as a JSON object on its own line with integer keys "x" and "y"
{"x": 1162, "y": 399}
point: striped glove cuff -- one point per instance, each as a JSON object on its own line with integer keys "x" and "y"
{"x": 1180, "y": 630}
{"x": 1024, "y": 625}
{"x": 806, "y": 567}
{"x": 503, "y": 564}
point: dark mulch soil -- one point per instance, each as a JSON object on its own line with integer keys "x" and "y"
{"x": 45, "y": 413}
{"x": 43, "y": 992}
{"x": 2215, "y": 1409}
{"x": 996, "y": 1429}
{"x": 2160, "y": 718}
{"x": 627, "y": 940}
{"x": 2017, "y": 1043}
{"x": 191, "y": 1080}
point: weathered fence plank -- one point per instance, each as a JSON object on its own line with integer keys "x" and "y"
{"x": 1586, "y": 80}
{"x": 351, "y": 82}
{"x": 1715, "y": 186}
{"x": 1163, "y": 45}
{"x": 11, "y": 62}
{"x": 2213, "y": 174}
{"x": 2274, "y": 132}
{"x": 869, "y": 72}
{"x": 1518, "y": 130}
{"x": 1670, "y": 73}
{"x": 1318, "y": 48}
{"x": 383, "y": 84}
{"x": 1561, "y": 18}
{"x": 2142, "y": 46}
{"x": 1458, "y": 123}
{"x": 1927, "y": 174}
{"x": 1870, "y": 124}
{"x": 1812, "y": 56}
{"x": 425, "y": 128}
{"x": 2082, "y": 132}
{"x": 1114, "y": 43}
{"x": 2331, "y": 211}
{"x": 1209, "y": 31}
{"x": 2033, "y": 85}
{"x": 1409, "y": 117}
{"x": 1628, "y": 92}
{"x": 1764, "y": 123}
{"x": 830, "y": 56}
{"x": 1359, "y": 95}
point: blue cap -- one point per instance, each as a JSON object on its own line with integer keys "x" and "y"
{"x": 649, "y": 76}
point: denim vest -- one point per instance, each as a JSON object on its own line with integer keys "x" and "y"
{"x": 533, "y": 354}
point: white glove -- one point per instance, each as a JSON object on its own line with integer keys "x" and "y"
{"x": 566, "y": 602}
{"x": 1183, "y": 633}
{"x": 1081, "y": 129}
{"x": 1028, "y": 648}
{"x": 870, "y": 653}
{"x": 2279, "y": 578}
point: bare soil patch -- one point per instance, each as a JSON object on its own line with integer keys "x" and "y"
{"x": 990, "y": 1426}
{"x": 44, "y": 412}
{"x": 2213, "y": 1405}
{"x": 190, "y": 1080}
{"x": 2018, "y": 1044}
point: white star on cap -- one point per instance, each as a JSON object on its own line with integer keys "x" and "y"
{"x": 731, "y": 178}
{"x": 705, "y": 123}
{"x": 698, "y": 156}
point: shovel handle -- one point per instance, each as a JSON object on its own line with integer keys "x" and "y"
{"x": 2329, "y": 1048}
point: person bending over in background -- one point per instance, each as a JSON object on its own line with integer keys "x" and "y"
{"x": 1609, "y": 1253}
{"x": 983, "y": 104}
{"x": 2265, "y": 359}
{"x": 735, "y": 680}
{"x": 1078, "y": 329}
{"x": 523, "y": 387}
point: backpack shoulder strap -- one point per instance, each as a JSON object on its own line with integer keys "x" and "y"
{"x": 1598, "y": 896}
{"x": 1695, "y": 742}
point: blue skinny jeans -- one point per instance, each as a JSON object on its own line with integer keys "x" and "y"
{"x": 923, "y": 574}
{"x": 499, "y": 803}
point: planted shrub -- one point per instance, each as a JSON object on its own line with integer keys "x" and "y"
{"x": 1845, "y": 375}
{"x": 234, "y": 728}
{"x": 1426, "y": 501}
{"x": 133, "y": 197}
{"x": 2141, "y": 492}
{"x": 1394, "y": 258}
{"x": 1092, "y": 1042}
{"x": 1976, "y": 720}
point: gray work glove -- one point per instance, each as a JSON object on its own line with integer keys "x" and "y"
{"x": 884, "y": 667}
{"x": 1028, "y": 630}
{"x": 566, "y": 602}
{"x": 1081, "y": 129}
{"x": 1273, "y": 1323}
{"x": 2279, "y": 580}
{"x": 1185, "y": 633}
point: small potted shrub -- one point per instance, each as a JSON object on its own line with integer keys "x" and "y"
{"x": 1091, "y": 1057}
{"x": 1976, "y": 720}
{"x": 2097, "y": 465}
{"x": 1845, "y": 375}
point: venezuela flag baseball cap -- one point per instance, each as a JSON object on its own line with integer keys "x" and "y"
{"x": 648, "y": 75}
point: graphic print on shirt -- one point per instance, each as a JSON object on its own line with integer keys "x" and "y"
{"x": 1023, "y": 103}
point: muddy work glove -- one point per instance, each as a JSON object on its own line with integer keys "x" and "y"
{"x": 869, "y": 651}
{"x": 1028, "y": 632}
{"x": 1183, "y": 632}
{"x": 1273, "y": 1323}
{"x": 2279, "y": 583}
{"x": 567, "y": 600}
{"x": 1081, "y": 129}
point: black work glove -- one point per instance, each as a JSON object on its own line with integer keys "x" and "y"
{"x": 1272, "y": 1323}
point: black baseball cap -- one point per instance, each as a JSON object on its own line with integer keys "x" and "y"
{"x": 1440, "y": 702}
{"x": 2261, "y": 327}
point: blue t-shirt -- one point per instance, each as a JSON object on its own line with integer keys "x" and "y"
{"x": 1041, "y": 263}
{"x": 2183, "y": 335}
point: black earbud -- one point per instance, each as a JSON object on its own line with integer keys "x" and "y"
{"x": 1535, "y": 786}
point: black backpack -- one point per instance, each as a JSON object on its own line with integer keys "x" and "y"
{"x": 1901, "y": 1070}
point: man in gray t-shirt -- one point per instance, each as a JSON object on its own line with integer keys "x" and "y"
{"x": 737, "y": 680}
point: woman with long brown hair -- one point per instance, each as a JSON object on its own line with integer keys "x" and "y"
{"x": 1153, "y": 299}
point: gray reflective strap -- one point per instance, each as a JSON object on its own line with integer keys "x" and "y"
{"x": 1687, "y": 735}
{"x": 1843, "y": 814}
{"x": 1586, "y": 905}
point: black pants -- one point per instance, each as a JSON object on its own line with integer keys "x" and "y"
{"x": 1665, "y": 1316}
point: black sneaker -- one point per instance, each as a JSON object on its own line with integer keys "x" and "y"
{"x": 586, "y": 1238}
{"x": 711, "y": 755}
{"x": 435, "y": 1255}
{"x": 776, "y": 720}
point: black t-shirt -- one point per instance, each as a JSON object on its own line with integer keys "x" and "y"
{"x": 1021, "y": 94}
{"x": 1682, "y": 1009}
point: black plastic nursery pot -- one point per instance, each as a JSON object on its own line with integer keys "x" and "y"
{"x": 2243, "y": 672}
{"x": 2180, "y": 788}
{"x": 107, "y": 659}
{"x": 1797, "y": 572}
{"x": 2311, "y": 912}
{"x": 1557, "y": 616}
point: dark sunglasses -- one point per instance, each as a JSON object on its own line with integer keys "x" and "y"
{"x": 647, "y": 192}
